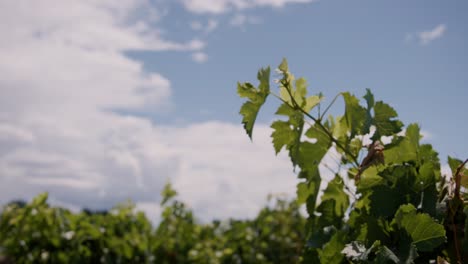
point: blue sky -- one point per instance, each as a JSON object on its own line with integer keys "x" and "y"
{"x": 337, "y": 46}
{"x": 107, "y": 100}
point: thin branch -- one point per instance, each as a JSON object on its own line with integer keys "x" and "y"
{"x": 328, "y": 107}
{"x": 318, "y": 108}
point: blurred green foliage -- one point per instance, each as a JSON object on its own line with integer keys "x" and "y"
{"x": 36, "y": 232}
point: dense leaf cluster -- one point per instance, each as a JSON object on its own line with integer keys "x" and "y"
{"x": 387, "y": 201}
{"x": 38, "y": 233}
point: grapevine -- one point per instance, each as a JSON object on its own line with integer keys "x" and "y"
{"x": 392, "y": 206}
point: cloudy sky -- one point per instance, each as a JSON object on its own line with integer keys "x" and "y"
{"x": 104, "y": 100}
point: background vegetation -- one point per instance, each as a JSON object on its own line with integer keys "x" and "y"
{"x": 38, "y": 233}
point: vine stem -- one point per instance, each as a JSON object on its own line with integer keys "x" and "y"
{"x": 455, "y": 237}
{"x": 317, "y": 121}
{"x": 328, "y": 107}
{"x": 452, "y": 213}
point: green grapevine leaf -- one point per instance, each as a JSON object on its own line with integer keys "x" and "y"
{"x": 295, "y": 96}
{"x": 41, "y": 199}
{"x": 331, "y": 252}
{"x": 406, "y": 249}
{"x": 404, "y": 149}
{"x": 430, "y": 176}
{"x": 305, "y": 190}
{"x": 284, "y": 65}
{"x": 288, "y": 133}
{"x": 283, "y": 135}
{"x": 369, "y": 179}
{"x": 429, "y": 155}
{"x": 385, "y": 255}
{"x": 256, "y": 98}
{"x": 369, "y": 97}
{"x": 311, "y": 102}
{"x": 384, "y": 121}
{"x": 167, "y": 193}
{"x": 334, "y": 204}
{"x": 300, "y": 96}
{"x": 285, "y": 110}
{"x": 313, "y": 181}
{"x": 427, "y": 175}
{"x": 301, "y": 88}
{"x": 334, "y": 191}
{"x": 311, "y": 154}
{"x": 355, "y": 115}
{"x": 453, "y": 164}
{"x": 339, "y": 127}
{"x": 425, "y": 233}
{"x": 328, "y": 215}
{"x": 286, "y": 85}
{"x": 384, "y": 200}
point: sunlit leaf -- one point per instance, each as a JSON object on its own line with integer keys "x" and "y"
{"x": 355, "y": 115}
{"x": 384, "y": 121}
{"x": 404, "y": 149}
{"x": 256, "y": 98}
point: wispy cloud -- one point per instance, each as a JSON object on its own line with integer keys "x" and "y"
{"x": 426, "y": 135}
{"x": 223, "y": 6}
{"x": 427, "y": 37}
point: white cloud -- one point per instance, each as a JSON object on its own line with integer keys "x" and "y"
{"x": 446, "y": 171}
{"x": 9, "y": 133}
{"x": 216, "y": 169}
{"x": 63, "y": 70}
{"x": 427, "y": 37}
{"x": 199, "y": 57}
{"x": 152, "y": 211}
{"x": 221, "y": 173}
{"x": 223, "y": 6}
{"x": 426, "y": 135}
